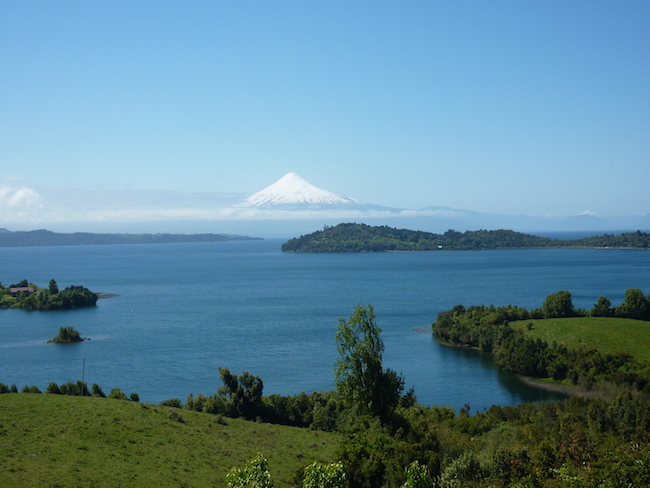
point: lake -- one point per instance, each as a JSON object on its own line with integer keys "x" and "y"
{"x": 184, "y": 310}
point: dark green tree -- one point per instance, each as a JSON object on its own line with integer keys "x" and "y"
{"x": 558, "y": 305}
{"x": 602, "y": 308}
{"x": 54, "y": 289}
{"x": 635, "y": 306}
{"x": 243, "y": 393}
{"x": 360, "y": 378}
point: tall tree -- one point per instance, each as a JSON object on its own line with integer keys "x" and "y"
{"x": 360, "y": 378}
{"x": 54, "y": 288}
{"x": 558, "y": 305}
{"x": 636, "y": 305}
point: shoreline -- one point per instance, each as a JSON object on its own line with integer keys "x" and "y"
{"x": 568, "y": 390}
{"x": 540, "y": 383}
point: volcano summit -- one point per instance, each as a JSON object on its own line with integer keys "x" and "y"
{"x": 291, "y": 190}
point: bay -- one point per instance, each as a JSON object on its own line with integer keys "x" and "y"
{"x": 184, "y": 310}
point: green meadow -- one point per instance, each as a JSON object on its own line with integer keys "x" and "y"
{"x": 606, "y": 334}
{"x": 57, "y": 440}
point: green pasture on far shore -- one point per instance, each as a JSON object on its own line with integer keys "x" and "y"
{"x": 607, "y": 334}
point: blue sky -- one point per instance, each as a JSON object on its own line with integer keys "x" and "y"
{"x": 134, "y": 109}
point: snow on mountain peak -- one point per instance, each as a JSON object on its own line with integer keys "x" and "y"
{"x": 291, "y": 189}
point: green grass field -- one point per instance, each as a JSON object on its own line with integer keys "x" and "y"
{"x": 605, "y": 334}
{"x": 55, "y": 440}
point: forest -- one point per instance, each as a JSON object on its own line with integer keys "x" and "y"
{"x": 353, "y": 237}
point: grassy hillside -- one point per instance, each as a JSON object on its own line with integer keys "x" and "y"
{"x": 55, "y": 440}
{"x": 608, "y": 335}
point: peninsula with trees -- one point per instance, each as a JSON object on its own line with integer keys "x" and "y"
{"x": 353, "y": 237}
{"x": 44, "y": 237}
{"x": 30, "y": 296}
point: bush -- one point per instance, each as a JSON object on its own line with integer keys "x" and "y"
{"x": 135, "y": 397}
{"x": 117, "y": 394}
{"x": 75, "y": 389}
{"x": 53, "y": 389}
{"x": 176, "y": 417}
{"x": 30, "y": 389}
{"x": 4, "y": 388}
{"x": 97, "y": 391}
{"x": 171, "y": 402}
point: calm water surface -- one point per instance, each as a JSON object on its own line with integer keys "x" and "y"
{"x": 183, "y": 310}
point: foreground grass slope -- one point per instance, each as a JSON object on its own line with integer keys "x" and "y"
{"x": 608, "y": 335}
{"x": 56, "y": 440}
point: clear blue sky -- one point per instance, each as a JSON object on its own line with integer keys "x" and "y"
{"x": 540, "y": 108}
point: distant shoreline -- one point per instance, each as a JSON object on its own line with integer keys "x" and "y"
{"x": 42, "y": 237}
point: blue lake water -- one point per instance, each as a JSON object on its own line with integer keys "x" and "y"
{"x": 183, "y": 310}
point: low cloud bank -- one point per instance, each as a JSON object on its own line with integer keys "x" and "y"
{"x": 163, "y": 211}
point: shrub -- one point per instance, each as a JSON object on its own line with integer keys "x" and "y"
{"x": 171, "y": 402}
{"x": 135, "y": 397}
{"x": 117, "y": 394}
{"x": 78, "y": 388}
{"x": 176, "y": 416}
{"x": 97, "y": 391}
{"x": 53, "y": 389}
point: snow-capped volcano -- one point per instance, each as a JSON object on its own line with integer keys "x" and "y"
{"x": 291, "y": 189}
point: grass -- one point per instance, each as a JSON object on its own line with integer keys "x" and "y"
{"x": 603, "y": 333}
{"x": 56, "y": 440}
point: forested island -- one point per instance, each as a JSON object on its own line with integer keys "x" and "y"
{"x": 44, "y": 237}
{"x": 29, "y": 296}
{"x": 66, "y": 335}
{"x": 353, "y": 237}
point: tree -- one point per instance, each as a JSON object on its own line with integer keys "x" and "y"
{"x": 54, "y": 289}
{"x": 243, "y": 393}
{"x": 117, "y": 394}
{"x": 319, "y": 475}
{"x": 417, "y": 476}
{"x": 255, "y": 475}
{"x": 602, "y": 308}
{"x": 636, "y": 305}
{"x": 360, "y": 379}
{"x": 97, "y": 391}
{"x": 558, "y": 305}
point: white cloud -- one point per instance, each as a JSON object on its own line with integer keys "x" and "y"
{"x": 18, "y": 197}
